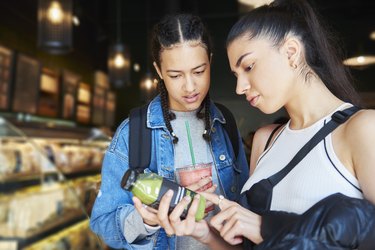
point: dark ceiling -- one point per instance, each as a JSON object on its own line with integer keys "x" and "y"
{"x": 353, "y": 20}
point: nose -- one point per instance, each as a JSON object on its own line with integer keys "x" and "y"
{"x": 189, "y": 84}
{"x": 242, "y": 86}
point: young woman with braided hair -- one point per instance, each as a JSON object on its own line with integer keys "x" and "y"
{"x": 182, "y": 53}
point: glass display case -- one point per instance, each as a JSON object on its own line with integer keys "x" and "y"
{"x": 49, "y": 178}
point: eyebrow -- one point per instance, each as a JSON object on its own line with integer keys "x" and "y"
{"x": 197, "y": 67}
{"x": 241, "y": 58}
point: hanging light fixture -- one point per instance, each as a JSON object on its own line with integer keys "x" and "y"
{"x": 119, "y": 56}
{"x": 55, "y": 26}
{"x": 148, "y": 86}
{"x": 362, "y": 58}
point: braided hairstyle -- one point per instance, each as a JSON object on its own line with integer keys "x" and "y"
{"x": 174, "y": 30}
{"x": 321, "y": 51}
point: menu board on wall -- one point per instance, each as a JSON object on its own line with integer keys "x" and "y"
{"x": 110, "y": 109}
{"x": 49, "y": 93}
{"x": 6, "y": 67}
{"x": 98, "y": 105}
{"x": 26, "y": 87}
{"x": 83, "y": 105}
{"x": 69, "y": 94}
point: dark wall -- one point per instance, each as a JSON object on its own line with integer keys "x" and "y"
{"x": 352, "y": 19}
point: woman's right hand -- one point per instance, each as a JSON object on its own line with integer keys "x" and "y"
{"x": 235, "y": 221}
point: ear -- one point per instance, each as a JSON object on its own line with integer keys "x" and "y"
{"x": 292, "y": 48}
{"x": 157, "y": 70}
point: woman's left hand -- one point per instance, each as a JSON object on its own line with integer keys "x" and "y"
{"x": 173, "y": 224}
{"x": 235, "y": 221}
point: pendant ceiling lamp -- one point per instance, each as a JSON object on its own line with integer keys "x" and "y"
{"x": 363, "y": 57}
{"x": 119, "y": 56}
{"x": 55, "y": 26}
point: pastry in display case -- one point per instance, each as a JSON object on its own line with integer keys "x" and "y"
{"x": 47, "y": 192}
{"x": 77, "y": 237}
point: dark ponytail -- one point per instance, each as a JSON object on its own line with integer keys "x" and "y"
{"x": 323, "y": 55}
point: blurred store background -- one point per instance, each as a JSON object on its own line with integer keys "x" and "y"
{"x": 70, "y": 71}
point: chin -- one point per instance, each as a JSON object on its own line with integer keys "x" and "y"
{"x": 268, "y": 111}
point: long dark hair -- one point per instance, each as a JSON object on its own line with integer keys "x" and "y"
{"x": 173, "y": 30}
{"x": 323, "y": 56}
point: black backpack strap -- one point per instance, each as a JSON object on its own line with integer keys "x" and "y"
{"x": 338, "y": 118}
{"x": 230, "y": 126}
{"x": 139, "y": 139}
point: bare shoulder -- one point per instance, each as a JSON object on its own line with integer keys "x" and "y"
{"x": 259, "y": 142}
{"x": 263, "y": 133}
{"x": 359, "y": 136}
{"x": 361, "y": 126}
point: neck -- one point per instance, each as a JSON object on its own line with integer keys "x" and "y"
{"x": 311, "y": 102}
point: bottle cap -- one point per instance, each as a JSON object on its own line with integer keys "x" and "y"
{"x": 128, "y": 179}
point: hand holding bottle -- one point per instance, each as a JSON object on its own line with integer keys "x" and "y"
{"x": 149, "y": 214}
{"x": 174, "y": 225}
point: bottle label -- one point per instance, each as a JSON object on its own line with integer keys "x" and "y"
{"x": 178, "y": 194}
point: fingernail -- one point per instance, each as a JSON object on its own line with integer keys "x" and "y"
{"x": 187, "y": 198}
{"x": 169, "y": 192}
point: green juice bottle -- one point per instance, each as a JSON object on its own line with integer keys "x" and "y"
{"x": 150, "y": 188}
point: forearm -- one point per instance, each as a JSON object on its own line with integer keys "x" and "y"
{"x": 134, "y": 229}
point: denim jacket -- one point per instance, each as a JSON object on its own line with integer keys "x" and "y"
{"x": 113, "y": 203}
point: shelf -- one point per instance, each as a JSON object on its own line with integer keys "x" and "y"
{"x": 77, "y": 236}
{"x": 67, "y": 218}
{"x": 12, "y": 182}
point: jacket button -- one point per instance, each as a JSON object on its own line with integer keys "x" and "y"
{"x": 233, "y": 189}
{"x": 222, "y": 157}
{"x": 213, "y": 130}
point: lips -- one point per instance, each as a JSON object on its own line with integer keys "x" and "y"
{"x": 253, "y": 100}
{"x": 191, "y": 98}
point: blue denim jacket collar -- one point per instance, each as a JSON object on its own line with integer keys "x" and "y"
{"x": 155, "y": 114}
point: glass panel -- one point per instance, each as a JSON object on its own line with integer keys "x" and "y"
{"x": 48, "y": 186}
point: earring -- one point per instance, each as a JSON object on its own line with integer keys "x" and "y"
{"x": 294, "y": 66}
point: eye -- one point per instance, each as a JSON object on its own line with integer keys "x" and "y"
{"x": 174, "y": 76}
{"x": 199, "y": 72}
{"x": 249, "y": 68}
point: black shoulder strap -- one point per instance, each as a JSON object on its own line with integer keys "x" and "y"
{"x": 338, "y": 118}
{"x": 139, "y": 139}
{"x": 230, "y": 126}
{"x": 271, "y": 135}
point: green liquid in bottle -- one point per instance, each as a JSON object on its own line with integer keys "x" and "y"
{"x": 150, "y": 188}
